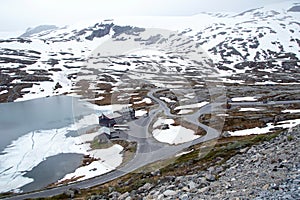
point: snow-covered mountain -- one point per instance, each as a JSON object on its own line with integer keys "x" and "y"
{"x": 260, "y": 46}
{"x": 38, "y": 29}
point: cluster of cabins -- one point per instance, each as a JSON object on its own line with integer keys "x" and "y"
{"x": 107, "y": 121}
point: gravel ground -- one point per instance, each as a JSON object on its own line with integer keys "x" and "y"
{"x": 270, "y": 170}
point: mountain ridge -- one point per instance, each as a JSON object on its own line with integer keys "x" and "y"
{"x": 265, "y": 36}
{"x": 30, "y": 31}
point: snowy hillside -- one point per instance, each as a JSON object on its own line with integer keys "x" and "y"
{"x": 38, "y": 29}
{"x": 260, "y": 46}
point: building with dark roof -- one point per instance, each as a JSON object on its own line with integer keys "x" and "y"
{"x": 124, "y": 115}
{"x": 104, "y": 136}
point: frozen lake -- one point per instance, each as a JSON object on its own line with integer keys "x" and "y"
{"x": 26, "y": 128}
{"x": 19, "y": 118}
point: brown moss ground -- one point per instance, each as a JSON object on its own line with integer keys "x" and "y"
{"x": 237, "y": 120}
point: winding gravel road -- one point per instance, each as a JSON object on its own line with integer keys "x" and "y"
{"x": 149, "y": 150}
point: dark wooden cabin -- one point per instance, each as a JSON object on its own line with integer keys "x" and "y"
{"x": 110, "y": 120}
{"x": 124, "y": 115}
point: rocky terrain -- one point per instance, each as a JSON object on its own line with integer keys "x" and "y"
{"x": 270, "y": 170}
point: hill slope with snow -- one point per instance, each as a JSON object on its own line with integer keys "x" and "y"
{"x": 260, "y": 46}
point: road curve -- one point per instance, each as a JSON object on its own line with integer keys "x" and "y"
{"x": 148, "y": 149}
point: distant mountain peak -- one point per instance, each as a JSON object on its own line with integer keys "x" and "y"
{"x": 30, "y": 31}
{"x": 294, "y": 9}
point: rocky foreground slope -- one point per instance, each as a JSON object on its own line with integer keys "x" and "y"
{"x": 270, "y": 170}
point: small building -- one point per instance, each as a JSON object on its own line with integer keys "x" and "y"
{"x": 104, "y": 136}
{"x": 109, "y": 120}
{"x": 127, "y": 113}
{"x": 105, "y": 130}
{"x": 103, "y": 139}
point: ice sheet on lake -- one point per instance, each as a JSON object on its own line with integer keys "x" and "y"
{"x": 31, "y": 149}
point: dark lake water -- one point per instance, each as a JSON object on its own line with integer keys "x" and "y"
{"x": 51, "y": 170}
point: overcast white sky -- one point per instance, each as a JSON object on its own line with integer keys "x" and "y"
{"x": 16, "y": 15}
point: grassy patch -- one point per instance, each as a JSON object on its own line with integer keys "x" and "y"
{"x": 96, "y": 145}
{"x": 290, "y": 138}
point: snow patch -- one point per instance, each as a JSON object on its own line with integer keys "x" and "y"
{"x": 244, "y": 99}
{"x": 257, "y": 130}
{"x": 166, "y": 99}
{"x": 183, "y": 112}
{"x": 250, "y": 109}
{"x": 174, "y": 134}
{"x": 196, "y": 105}
{"x": 291, "y": 111}
{"x": 145, "y": 100}
{"x": 183, "y": 153}
{"x": 3, "y": 92}
{"x": 140, "y": 113}
{"x": 110, "y": 159}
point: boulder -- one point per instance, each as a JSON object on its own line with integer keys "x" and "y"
{"x": 169, "y": 193}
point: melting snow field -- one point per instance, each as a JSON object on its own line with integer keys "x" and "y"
{"x": 109, "y": 159}
{"x": 196, "y": 105}
{"x": 174, "y": 134}
{"x": 257, "y": 130}
{"x": 31, "y": 149}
